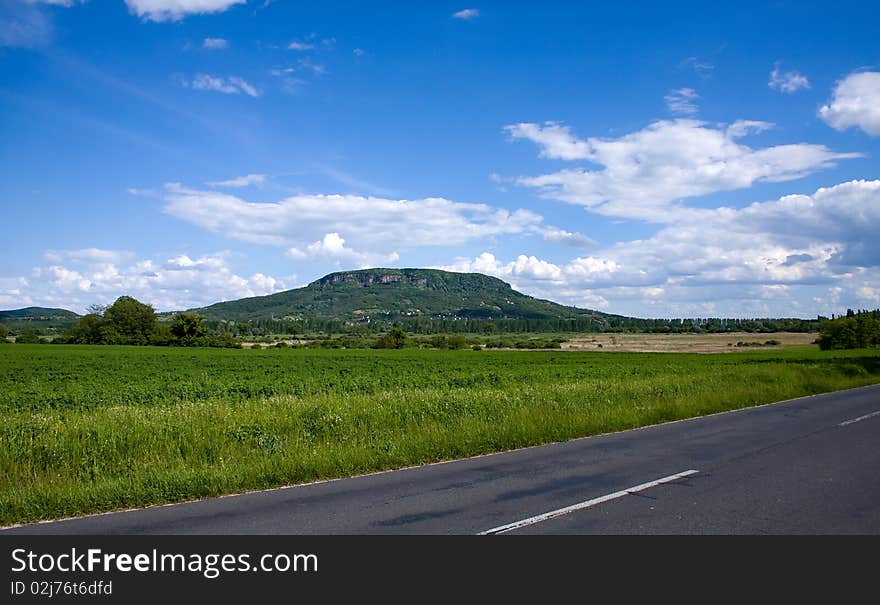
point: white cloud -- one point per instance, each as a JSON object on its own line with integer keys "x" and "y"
{"x": 174, "y": 10}
{"x": 869, "y": 294}
{"x": 67, "y": 280}
{"x": 682, "y": 101}
{"x": 92, "y": 276}
{"x": 645, "y": 173}
{"x": 267, "y": 284}
{"x": 555, "y": 140}
{"x": 244, "y": 86}
{"x": 741, "y": 128}
{"x": 92, "y": 255}
{"x": 788, "y": 82}
{"x": 767, "y": 259}
{"x": 561, "y": 236}
{"x": 14, "y": 293}
{"x": 533, "y": 269}
{"x": 300, "y": 46}
{"x": 206, "y": 82}
{"x": 332, "y": 246}
{"x": 374, "y": 225}
{"x": 855, "y": 102}
{"x": 358, "y": 52}
{"x": 466, "y": 14}
{"x": 215, "y": 43}
{"x": 231, "y": 86}
{"x": 241, "y": 181}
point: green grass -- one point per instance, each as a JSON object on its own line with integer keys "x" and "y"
{"x": 86, "y": 429}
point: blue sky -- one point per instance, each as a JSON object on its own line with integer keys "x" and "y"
{"x": 647, "y": 159}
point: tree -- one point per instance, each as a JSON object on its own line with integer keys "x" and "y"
{"x": 244, "y": 328}
{"x": 4, "y": 332}
{"x": 395, "y": 338}
{"x": 128, "y": 321}
{"x": 86, "y": 330}
{"x": 187, "y": 328}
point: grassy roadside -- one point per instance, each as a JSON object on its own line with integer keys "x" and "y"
{"x": 87, "y": 429}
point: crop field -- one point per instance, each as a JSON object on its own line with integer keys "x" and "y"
{"x": 94, "y": 428}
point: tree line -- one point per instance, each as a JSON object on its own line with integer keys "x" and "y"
{"x": 856, "y": 330}
{"x": 596, "y": 324}
{"x": 131, "y": 322}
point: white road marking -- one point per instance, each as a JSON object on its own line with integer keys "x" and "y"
{"x": 586, "y": 504}
{"x": 860, "y": 418}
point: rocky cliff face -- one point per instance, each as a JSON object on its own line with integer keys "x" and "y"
{"x": 364, "y": 279}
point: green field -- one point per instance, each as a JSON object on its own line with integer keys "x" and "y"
{"x": 92, "y": 428}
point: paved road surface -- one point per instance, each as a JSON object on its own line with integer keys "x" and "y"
{"x": 807, "y": 466}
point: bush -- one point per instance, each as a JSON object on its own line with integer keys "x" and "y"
{"x": 28, "y": 338}
{"x": 162, "y": 336}
{"x": 223, "y": 340}
{"x": 395, "y": 338}
{"x": 456, "y": 341}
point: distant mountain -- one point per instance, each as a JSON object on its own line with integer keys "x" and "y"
{"x": 37, "y": 319}
{"x": 389, "y": 294}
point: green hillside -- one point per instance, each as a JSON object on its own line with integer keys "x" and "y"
{"x": 390, "y": 294}
{"x": 37, "y": 319}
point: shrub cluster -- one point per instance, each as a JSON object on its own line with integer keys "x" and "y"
{"x": 521, "y": 343}
{"x": 757, "y": 343}
{"x": 29, "y": 338}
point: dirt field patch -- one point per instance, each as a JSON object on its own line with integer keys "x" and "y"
{"x": 686, "y": 343}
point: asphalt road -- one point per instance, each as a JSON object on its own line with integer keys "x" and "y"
{"x": 807, "y": 466}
